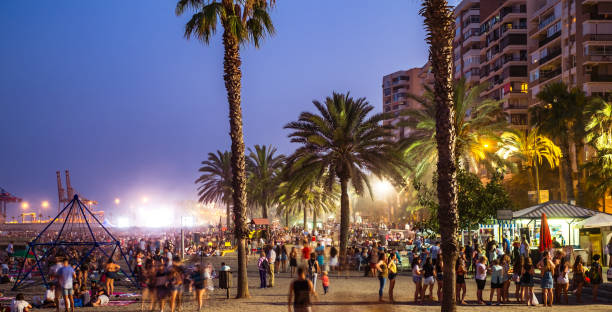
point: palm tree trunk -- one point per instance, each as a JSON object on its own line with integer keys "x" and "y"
{"x": 537, "y": 181}
{"x": 228, "y": 216}
{"x": 562, "y": 189}
{"x": 439, "y": 23}
{"x": 345, "y": 211}
{"x": 232, "y": 76}
{"x": 314, "y": 220}
{"x": 305, "y": 218}
{"x": 264, "y": 210}
{"x": 567, "y": 170}
{"x": 580, "y": 176}
{"x": 287, "y": 219}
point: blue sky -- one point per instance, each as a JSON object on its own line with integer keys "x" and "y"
{"x": 113, "y": 92}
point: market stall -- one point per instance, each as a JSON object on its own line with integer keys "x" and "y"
{"x": 563, "y": 220}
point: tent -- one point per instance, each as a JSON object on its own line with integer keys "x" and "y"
{"x": 598, "y": 220}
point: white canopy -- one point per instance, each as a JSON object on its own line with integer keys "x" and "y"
{"x": 598, "y": 220}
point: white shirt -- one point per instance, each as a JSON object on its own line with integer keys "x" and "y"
{"x": 19, "y": 305}
{"x": 9, "y": 248}
{"x": 482, "y": 275}
{"x": 272, "y": 256}
{"x": 103, "y": 299}
{"x": 50, "y": 294}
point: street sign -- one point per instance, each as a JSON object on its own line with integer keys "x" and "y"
{"x": 504, "y": 214}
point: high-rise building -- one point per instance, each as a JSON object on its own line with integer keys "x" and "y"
{"x": 397, "y": 86}
{"x": 467, "y": 44}
{"x": 570, "y": 41}
{"x": 503, "y": 57}
{"x": 490, "y": 48}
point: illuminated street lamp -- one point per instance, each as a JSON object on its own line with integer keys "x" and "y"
{"x": 44, "y": 204}
{"x": 117, "y": 201}
{"x": 25, "y": 205}
{"x": 384, "y": 188}
{"x": 145, "y": 199}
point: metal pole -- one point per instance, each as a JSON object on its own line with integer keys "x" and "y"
{"x": 182, "y": 241}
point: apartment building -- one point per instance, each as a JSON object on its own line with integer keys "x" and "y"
{"x": 397, "y": 86}
{"x": 570, "y": 41}
{"x": 503, "y": 57}
{"x": 467, "y": 44}
{"x": 490, "y": 48}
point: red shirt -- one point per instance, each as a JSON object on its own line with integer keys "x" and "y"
{"x": 306, "y": 252}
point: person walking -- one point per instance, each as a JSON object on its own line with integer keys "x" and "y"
{"x": 313, "y": 270}
{"x": 547, "y": 268}
{"x": 293, "y": 260}
{"x": 110, "y": 270}
{"x": 197, "y": 280}
{"x": 263, "y": 265}
{"x": 382, "y": 271}
{"x": 301, "y": 293}
{"x": 428, "y": 278}
{"x": 595, "y": 274}
{"x": 325, "y": 282}
{"x": 505, "y": 263}
{"x": 66, "y": 277}
{"x": 283, "y": 258}
{"x": 481, "y": 277}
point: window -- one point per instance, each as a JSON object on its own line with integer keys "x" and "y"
{"x": 387, "y": 91}
{"x": 524, "y": 87}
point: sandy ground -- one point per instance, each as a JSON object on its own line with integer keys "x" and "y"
{"x": 352, "y": 293}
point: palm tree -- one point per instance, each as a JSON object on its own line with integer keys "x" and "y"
{"x": 243, "y": 22}
{"x": 342, "y": 144}
{"x": 306, "y": 196}
{"x": 560, "y": 116}
{"x": 477, "y": 124}
{"x": 216, "y": 181}
{"x": 264, "y": 175}
{"x": 530, "y": 149}
{"x": 599, "y": 125}
{"x": 439, "y": 23}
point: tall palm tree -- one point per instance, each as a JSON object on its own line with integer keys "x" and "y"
{"x": 215, "y": 183}
{"x": 560, "y": 116}
{"x": 243, "y": 22}
{"x": 264, "y": 175}
{"x": 599, "y": 170}
{"x": 439, "y": 23}
{"x": 530, "y": 149}
{"x": 341, "y": 143}
{"x": 477, "y": 123}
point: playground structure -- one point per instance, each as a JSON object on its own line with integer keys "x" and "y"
{"x": 5, "y": 198}
{"x": 81, "y": 232}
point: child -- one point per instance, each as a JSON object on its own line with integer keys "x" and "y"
{"x": 20, "y": 305}
{"x": 325, "y": 282}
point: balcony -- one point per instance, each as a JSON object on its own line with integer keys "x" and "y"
{"x": 549, "y": 39}
{"x": 547, "y": 75}
{"x": 551, "y": 55}
{"x": 598, "y": 37}
{"x": 597, "y": 17}
{"x": 602, "y": 58}
{"x": 595, "y": 77}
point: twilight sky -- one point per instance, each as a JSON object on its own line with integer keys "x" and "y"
{"x": 113, "y": 92}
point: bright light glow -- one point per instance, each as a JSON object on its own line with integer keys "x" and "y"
{"x": 123, "y": 222}
{"x": 145, "y": 199}
{"x": 117, "y": 201}
{"x": 45, "y": 204}
{"x": 486, "y": 145}
{"x": 188, "y": 221}
{"x": 158, "y": 217}
{"x": 383, "y": 187}
{"x": 25, "y": 205}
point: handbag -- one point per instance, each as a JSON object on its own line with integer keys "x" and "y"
{"x": 534, "y": 299}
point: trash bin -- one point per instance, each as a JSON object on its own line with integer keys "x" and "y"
{"x": 225, "y": 281}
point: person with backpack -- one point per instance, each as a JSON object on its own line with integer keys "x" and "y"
{"x": 263, "y": 265}
{"x": 595, "y": 274}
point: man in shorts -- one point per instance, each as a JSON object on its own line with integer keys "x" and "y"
{"x": 66, "y": 276}
{"x": 53, "y": 274}
{"x": 301, "y": 292}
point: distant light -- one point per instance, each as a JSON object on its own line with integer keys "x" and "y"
{"x": 123, "y": 222}
{"x": 90, "y": 202}
{"x": 486, "y": 146}
{"x": 25, "y": 205}
{"x": 145, "y": 199}
{"x": 161, "y": 217}
{"x": 188, "y": 221}
{"x": 45, "y": 204}
{"x": 117, "y": 201}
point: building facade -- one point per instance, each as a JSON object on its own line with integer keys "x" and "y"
{"x": 570, "y": 41}
{"x": 467, "y": 43}
{"x": 396, "y": 88}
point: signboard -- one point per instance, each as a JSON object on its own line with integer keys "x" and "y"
{"x": 504, "y": 214}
